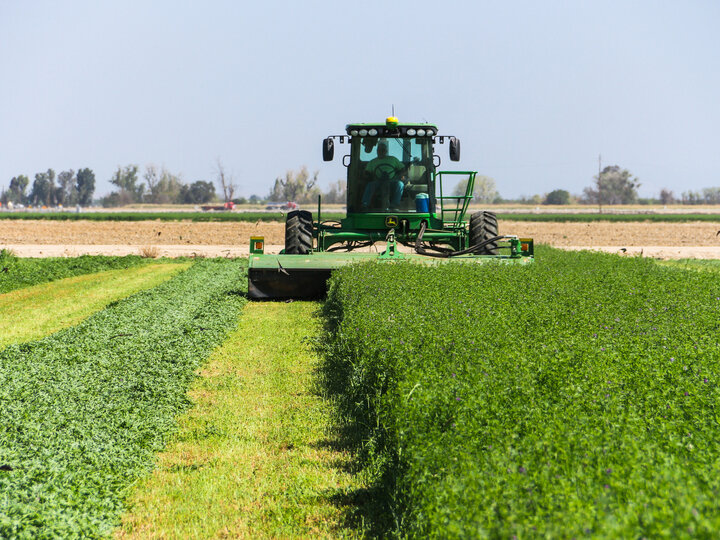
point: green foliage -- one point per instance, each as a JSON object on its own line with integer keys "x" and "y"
{"x": 160, "y": 216}
{"x": 16, "y": 273}
{"x": 160, "y": 186}
{"x": 336, "y": 193}
{"x": 613, "y": 186}
{"x": 197, "y": 193}
{"x": 83, "y": 412}
{"x": 131, "y": 189}
{"x": 43, "y": 189}
{"x": 65, "y": 192}
{"x": 484, "y": 190}
{"x": 85, "y": 186}
{"x": 582, "y": 218}
{"x": 557, "y": 196}
{"x": 708, "y": 196}
{"x": 278, "y": 216}
{"x": 163, "y": 186}
{"x": 18, "y": 188}
{"x": 576, "y": 397}
{"x": 297, "y": 186}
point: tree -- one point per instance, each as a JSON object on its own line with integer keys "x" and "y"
{"x": 666, "y": 196}
{"x": 17, "y": 190}
{"x": 613, "y": 186}
{"x": 226, "y": 182}
{"x": 297, "y": 186}
{"x": 66, "y": 191}
{"x": 197, "y": 193}
{"x": 557, "y": 196}
{"x": 483, "y": 191}
{"x": 43, "y": 189}
{"x": 126, "y": 178}
{"x": 85, "y": 186}
{"x": 163, "y": 186}
{"x": 336, "y": 193}
{"x": 711, "y": 195}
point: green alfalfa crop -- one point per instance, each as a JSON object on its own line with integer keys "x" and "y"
{"x": 17, "y": 272}
{"x": 574, "y": 397}
{"x": 83, "y": 412}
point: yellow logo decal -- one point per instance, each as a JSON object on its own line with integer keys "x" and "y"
{"x": 391, "y": 221}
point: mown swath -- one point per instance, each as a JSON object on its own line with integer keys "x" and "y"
{"x": 83, "y": 412}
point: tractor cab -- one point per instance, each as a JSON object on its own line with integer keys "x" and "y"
{"x": 391, "y": 167}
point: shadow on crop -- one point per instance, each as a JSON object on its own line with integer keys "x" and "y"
{"x": 366, "y": 509}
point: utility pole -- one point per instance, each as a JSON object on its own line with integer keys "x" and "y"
{"x": 599, "y": 184}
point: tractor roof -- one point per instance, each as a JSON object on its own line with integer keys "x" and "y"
{"x": 391, "y": 128}
{"x": 383, "y": 124}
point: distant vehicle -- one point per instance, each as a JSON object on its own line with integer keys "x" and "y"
{"x": 228, "y": 206}
{"x": 282, "y": 206}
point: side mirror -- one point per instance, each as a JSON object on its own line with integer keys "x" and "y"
{"x": 328, "y": 149}
{"x": 454, "y": 149}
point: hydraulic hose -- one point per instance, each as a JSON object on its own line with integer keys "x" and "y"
{"x": 444, "y": 252}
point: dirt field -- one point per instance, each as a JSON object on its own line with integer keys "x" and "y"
{"x": 56, "y": 238}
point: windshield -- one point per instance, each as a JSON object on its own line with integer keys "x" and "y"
{"x": 388, "y": 174}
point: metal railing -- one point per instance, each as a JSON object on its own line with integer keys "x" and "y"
{"x": 454, "y": 207}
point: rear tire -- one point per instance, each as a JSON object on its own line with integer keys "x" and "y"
{"x": 299, "y": 232}
{"x": 483, "y": 226}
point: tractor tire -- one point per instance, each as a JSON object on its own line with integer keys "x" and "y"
{"x": 483, "y": 226}
{"x": 299, "y": 232}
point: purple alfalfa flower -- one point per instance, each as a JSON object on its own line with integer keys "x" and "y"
{"x": 522, "y": 470}
{"x": 687, "y": 394}
{"x": 672, "y": 359}
{"x": 602, "y": 348}
{"x": 608, "y": 471}
{"x": 705, "y": 380}
{"x": 594, "y": 335}
{"x": 606, "y": 486}
{"x": 457, "y": 399}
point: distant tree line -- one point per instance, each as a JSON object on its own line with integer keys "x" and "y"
{"x": 67, "y": 188}
{"x": 615, "y": 185}
{"x": 157, "y": 186}
{"x": 301, "y": 187}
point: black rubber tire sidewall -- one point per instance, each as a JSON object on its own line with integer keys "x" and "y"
{"x": 298, "y": 232}
{"x": 484, "y": 225}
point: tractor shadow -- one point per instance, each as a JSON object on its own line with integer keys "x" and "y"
{"x": 365, "y": 508}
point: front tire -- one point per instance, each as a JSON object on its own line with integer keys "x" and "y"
{"x": 299, "y": 232}
{"x": 483, "y": 226}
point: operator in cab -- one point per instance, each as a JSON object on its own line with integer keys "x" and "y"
{"x": 385, "y": 172}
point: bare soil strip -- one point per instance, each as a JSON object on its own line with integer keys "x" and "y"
{"x": 174, "y": 239}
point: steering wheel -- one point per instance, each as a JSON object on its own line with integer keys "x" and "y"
{"x": 385, "y": 171}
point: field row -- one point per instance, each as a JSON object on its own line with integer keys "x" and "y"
{"x": 84, "y": 411}
{"x": 335, "y": 215}
{"x": 574, "y": 397}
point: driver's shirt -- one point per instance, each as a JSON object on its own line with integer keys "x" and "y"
{"x": 394, "y": 162}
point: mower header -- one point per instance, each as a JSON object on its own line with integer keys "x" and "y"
{"x": 396, "y": 196}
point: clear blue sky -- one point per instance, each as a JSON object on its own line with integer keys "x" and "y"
{"x": 535, "y": 90}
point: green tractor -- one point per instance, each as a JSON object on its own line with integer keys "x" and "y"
{"x": 395, "y": 195}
